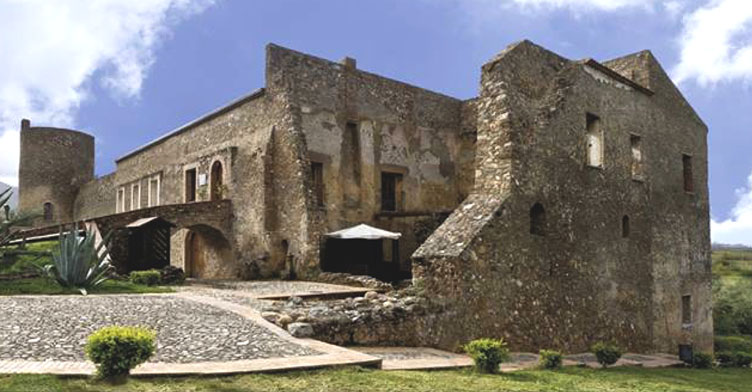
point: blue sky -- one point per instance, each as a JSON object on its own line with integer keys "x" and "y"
{"x": 129, "y": 71}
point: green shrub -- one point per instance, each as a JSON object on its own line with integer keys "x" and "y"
{"x": 702, "y": 360}
{"x": 732, "y": 308}
{"x": 550, "y": 359}
{"x": 734, "y": 359}
{"x": 116, "y": 350}
{"x": 733, "y": 343}
{"x": 487, "y": 354}
{"x": 171, "y": 275}
{"x": 606, "y": 353}
{"x": 726, "y": 358}
{"x": 148, "y": 277}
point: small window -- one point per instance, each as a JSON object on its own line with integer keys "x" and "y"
{"x": 637, "y": 169}
{"x": 135, "y": 196}
{"x": 594, "y": 141}
{"x": 689, "y": 185}
{"x": 120, "y": 205}
{"x": 317, "y": 181}
{"x": 390, "y": 191}
{"x": 190, "y": 185}
{"x": 687, "y": 309}
{"x": 538, "y": 220}
{"x": 154, "y": 191}
{"x": 49, "y": 213}
{"x": 625, "y": 226}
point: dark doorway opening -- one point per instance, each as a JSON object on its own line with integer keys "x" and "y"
{"x": 149, "y": 244}
{"x": 364, "y": 257}
{"x": 217, "y": 186}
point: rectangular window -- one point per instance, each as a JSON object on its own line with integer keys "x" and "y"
{"x": 120, "y": 205}
{"x": 317, "y": 181}
{"x": 689, "y": 185}
{"x": 190, "y": 185}
{"x": 390, "y": 191}
{"x": 135, "y": 196}
{"x": 687, "y": 309}
{"x": 154, "y": 185}
{"x": 637, "y": 169}
{"x": 594, "y": 141}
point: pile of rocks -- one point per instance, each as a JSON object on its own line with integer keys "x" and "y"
{"x": 353, "y": 280}
{"x": 374, "y": 319}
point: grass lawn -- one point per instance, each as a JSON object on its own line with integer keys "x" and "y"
{"x": 31, "y": 263}
{"x": 367, "y": 380}
{"x": 50, "y": 287}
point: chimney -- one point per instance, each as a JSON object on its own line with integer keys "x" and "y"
{"x": 25, "y": 124}
{"x": 349, "y": 63}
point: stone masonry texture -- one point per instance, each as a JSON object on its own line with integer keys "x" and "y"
{"x": 566, "y": 204}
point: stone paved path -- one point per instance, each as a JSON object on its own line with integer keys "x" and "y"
{"x": 199, "y": 331}
{"x": 56, "y": 328}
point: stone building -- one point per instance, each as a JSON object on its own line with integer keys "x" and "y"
{"x": 573, "y": 194}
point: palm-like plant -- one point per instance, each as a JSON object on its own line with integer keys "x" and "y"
{"x": 78, "y": 263}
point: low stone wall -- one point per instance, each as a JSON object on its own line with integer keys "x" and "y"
{"x": 398, "y": 318}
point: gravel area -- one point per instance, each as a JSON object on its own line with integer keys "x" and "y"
{"x": 271, "y": 287}
{"x": 55, "y": 328}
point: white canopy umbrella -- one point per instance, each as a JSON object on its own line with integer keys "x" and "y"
{"x": 363, "y": 232}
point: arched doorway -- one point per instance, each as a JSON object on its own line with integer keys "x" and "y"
{"x": 208, "y": 254}
{"x": 217, "y": 189}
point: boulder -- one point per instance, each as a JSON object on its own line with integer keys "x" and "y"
{"x": 300, "y": 330}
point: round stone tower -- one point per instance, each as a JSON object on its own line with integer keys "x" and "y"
{"x": 55, "y": 163}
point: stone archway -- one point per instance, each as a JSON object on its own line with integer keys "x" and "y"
{"x": 208, "y": 254}
{"x": 217, "y": 181}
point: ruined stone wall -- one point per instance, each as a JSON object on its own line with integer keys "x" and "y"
{"x": 54, "y": 164}
{"x": 394, "y": 127}
{"x": 581, "y": 281}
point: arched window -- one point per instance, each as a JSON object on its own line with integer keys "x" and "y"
{"x": 217, "y": 191}
{"x": 537, "y": 219}
{"x": 49, "y": 213}
{"x": 625, "y": 226}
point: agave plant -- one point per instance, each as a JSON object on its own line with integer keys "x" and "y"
{"x": 78, "y": 262}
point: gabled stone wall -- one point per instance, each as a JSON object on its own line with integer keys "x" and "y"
{"x": 581, "y": 281}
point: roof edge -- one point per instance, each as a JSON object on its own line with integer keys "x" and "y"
{"x": 185, "y": 127}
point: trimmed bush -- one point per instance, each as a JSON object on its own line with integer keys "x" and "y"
{"x": 606, "y": 353}
{"x": 729, "y": 359}
{"x": 702, "y": 360}
{"x": 550, "y": 359}
{"x": 733, "y": 344}
{"x": 148, "y": 277}
{"x": 171, "y": 275}
{"x": 116, "y": 350}
{"x": 487, "y": 354}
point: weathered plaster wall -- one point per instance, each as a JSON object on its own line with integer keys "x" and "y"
{"x": 395, "y": 127}
{"x": 581, "y": 282}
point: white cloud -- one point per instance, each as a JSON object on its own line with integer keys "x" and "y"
{"x": 716, "y": 43}
{"x": 738, "y": 228}
{"x": 52, "y": 49}
{"x": 605, "y": 5}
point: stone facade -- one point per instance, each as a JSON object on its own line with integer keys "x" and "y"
{"x": 618, "y": 241}
{"x": 566, "y": 204}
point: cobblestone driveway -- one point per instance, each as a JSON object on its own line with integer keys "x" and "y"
{"x": 55, "y": 328}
